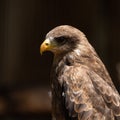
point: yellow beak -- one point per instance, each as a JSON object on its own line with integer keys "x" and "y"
{"x": 46, "y": 46}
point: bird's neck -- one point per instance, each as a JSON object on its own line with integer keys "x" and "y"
{"x": 60, "y": 61}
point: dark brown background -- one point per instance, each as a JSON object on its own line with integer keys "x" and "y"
{"x": 24, "y": 79}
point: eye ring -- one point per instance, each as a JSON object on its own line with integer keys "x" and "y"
{"x": 60, "y": 40}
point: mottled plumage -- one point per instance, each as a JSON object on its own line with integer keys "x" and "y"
{"x": 81, "y": 86}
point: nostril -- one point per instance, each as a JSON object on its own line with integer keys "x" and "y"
{"x": 46, "y": 44}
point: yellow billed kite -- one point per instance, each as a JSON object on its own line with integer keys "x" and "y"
{"x": 81, "y": 86}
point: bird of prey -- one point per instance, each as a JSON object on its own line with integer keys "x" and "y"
{"x": 81, "y": 86}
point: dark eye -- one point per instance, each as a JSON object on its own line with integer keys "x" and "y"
{"x": 61, "y": 39}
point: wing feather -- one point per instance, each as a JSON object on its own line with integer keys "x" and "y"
{"x": 88, "y": 96}
{"x": 110, "y": 95}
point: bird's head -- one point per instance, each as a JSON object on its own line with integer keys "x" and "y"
{"x": 61, "y": 39}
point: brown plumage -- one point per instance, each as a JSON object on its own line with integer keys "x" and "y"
{"x": 81, "y": 86}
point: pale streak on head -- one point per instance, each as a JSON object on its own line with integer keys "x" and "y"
{"x": 50, "y": 38}
{"x": 71, "y": 57}
{"x": 77, "y": 51}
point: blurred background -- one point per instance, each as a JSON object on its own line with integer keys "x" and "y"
{"x": 24, "y": 73}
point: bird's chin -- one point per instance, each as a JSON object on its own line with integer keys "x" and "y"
{"x": 54, "y": 52}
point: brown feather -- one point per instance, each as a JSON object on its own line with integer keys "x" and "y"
{"x": 81, "y": 86}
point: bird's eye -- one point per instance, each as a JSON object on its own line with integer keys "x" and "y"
{"x": 60, "y": 40}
